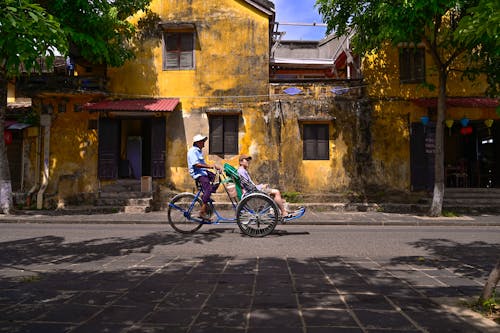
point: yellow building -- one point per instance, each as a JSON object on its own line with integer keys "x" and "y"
{"x": 204, "y": 70}
{"x": 403, "y": 123}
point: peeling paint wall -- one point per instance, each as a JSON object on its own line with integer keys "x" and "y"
{"x": 394, "y": 111}
{"x": 73, "y": 148}
{"x": 231, "y": 72}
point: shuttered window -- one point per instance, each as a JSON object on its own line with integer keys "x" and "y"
{"x": 316, "y": 142}
{"x": 223, "y": 134}
{"x": 179, "y": 50}
{"x": 412, "y": 65}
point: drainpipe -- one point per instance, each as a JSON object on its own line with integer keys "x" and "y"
{"x": 37, "y": 167}
{"x": 45, "y": 122}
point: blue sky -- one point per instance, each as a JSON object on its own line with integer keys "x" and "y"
{"x": 299, "y": 11}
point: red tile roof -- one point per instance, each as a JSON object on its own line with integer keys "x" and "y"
{"x": 151, "y": 105}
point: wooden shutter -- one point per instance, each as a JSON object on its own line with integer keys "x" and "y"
{"x": 231, "y": 135}
{"x": 422, "y": 156}
{"x": 309, "y": 142}
{"x": 158, "y": 147}
{"x": 403, "y": 65}
{"x": 109, "y": 143}
{"x": 419, "y": 65}
{"x": 323, "y": 142}
{"x": 186, "y": 50}
{"x": 216, "y": 143}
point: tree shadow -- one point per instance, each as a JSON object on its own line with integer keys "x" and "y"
{"x": 473, "y": 260}
{"x": 215, "y": 293}
{"x": 50, "y": 249}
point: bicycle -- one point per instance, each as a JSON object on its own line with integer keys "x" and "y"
{"x": 256, "y": 213}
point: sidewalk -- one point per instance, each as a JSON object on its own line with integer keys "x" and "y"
{"x": 310, "y": 218}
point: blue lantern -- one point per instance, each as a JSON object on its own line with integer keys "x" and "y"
{"x": 424, "y": 120}
{"x": 464, "y": 121}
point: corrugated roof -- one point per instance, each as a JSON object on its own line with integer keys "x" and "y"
{"x": 148, "y": 105}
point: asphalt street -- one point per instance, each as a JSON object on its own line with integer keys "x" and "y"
{"x": 302, "y": 278}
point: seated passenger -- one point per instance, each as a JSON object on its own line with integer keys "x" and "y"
{"x": 249, "y": 186}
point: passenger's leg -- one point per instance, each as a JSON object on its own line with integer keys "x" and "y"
{"x": 279, "y": 201}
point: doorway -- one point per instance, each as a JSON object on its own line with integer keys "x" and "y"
{"x": 131, "y": 148}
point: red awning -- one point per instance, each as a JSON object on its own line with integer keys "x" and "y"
{"x": 148, "y": 105}
{"x": 466, "y": 102}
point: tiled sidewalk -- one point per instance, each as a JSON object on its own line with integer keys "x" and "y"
{"x": 152, "y": 292}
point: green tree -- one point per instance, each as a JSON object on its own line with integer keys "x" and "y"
{"x": 98, "y": 31}
{"x": 444, "y": 26}
{"x": 28, "y": 32}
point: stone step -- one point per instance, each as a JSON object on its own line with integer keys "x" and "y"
{"x": 116, "y": 201}
{"x": 125, "y": 194}
{"x": 136, "y": 209}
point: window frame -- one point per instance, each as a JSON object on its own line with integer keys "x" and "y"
{"x": 412, "y": 64}
{"x": 315, "y": 142}
{"x": 224, "y": 140}
{"x": 178, "y": 51}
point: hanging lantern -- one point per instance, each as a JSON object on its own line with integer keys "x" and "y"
{"x": 424, "y": 120}
{"x": 7, "y": 137}
{"x": 464, "y": 121}
{"x": 449, "y": 124}
{"x": 466, "y": 130}
{"x": 489, "y": 123}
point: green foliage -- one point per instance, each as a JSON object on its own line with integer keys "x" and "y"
{"x": 480, "y": 31}
{"x": 489, "y": 307}
{"x": 99, "y": 30}
{"x": 449, "y": 28}
{"x": 28, "y": 32}
{"x": 293, "y": 197}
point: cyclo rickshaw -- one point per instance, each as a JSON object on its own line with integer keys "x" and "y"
{"x": 256, "y": 213}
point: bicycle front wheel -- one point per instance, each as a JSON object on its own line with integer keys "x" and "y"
{"x": 180, "y": 211}
{"x": 257, "y": 215}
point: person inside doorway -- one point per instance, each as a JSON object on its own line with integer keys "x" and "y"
{"x": 198, "y": 170}
{"x": 249, "y": 186}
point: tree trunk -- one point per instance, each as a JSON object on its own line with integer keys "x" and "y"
{"x": 438, "y": 195}
{"x": 5, "y": 183}
{"x": 491, "y": 283}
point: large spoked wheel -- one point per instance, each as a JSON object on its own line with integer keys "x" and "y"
{"x": 179, "y": 216}
{"x": 257, "y": 215}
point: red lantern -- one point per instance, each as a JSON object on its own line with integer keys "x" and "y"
{"x": 467, "y": 130}
{"x": 7, "y": 137}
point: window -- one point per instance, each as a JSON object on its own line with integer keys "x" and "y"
{"x": 316, "y": 142}
{"x": 179, "y": 50}
{"x": 412, "y": 65}
{"x": 223, "y": 134}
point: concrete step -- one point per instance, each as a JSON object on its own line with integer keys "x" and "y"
{"x": 118, "y": 201}
{"x": 136, "y": 209}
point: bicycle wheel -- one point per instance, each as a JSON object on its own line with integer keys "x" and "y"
{"x": 179, "y": 216}
{"x": 257, "y": 215}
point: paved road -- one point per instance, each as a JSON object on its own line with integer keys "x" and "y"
{"x": 146, "y": 278}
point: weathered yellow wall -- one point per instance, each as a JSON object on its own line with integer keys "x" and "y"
{"x": 394, "y": 111}
{"x": 73, "y": 149}
{"x": 231, "y": 60}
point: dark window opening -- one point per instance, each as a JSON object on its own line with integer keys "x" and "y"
{"x": 412, "y": 65}
{"x": 316, "y": 142}
{"x": 223, "y": 137}
{"x": 179, "y": 50}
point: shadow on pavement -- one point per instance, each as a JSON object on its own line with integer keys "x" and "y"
{"x": 125, "y": 285}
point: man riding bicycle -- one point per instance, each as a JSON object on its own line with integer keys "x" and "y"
{"x": 198, "y": 170}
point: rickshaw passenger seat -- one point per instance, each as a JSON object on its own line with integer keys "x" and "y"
{"x": 232, "y": 173}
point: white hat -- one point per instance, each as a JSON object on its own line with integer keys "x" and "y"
{"x": 199, "y": 137}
